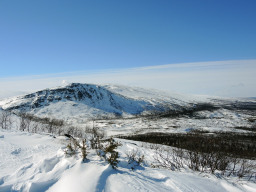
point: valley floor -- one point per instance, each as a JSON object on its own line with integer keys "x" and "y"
{"x": 37, "y": 163}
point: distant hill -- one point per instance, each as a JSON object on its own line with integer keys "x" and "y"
{"x": 92, "y": 101}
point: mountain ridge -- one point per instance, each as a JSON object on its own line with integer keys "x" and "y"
{"x": 97, "y": 99}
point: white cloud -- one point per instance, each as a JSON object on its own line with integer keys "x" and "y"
{"x": 222, "y": 78}
{"x": 64, "y": 82}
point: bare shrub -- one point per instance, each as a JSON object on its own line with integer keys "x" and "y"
{"x": 52, "y": 124}
{"x": 247, "y": 168}
{"x": 32, "y": 123}
{"x": 95, "y": 137}
{"x": 25, "y": 122}
{"x": 60, "y": 131}
{"x": 234, "y": 161}
{"x": 5, "y": 120}
{"x": 35, "y": 127}
{"x": 164, "y": 159}
{"x": 205, "y": 162}
{"x": 134, "y": 158}
{"x": 78, "y": 132}
{"x": 178, "y": 157}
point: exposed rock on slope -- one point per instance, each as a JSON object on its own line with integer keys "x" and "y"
{"x": 85, "y": 100}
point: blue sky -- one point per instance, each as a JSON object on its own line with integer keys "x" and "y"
{"x": 49, "y": 37}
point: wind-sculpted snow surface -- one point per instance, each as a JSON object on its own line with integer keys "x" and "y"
{"x": 40, "y": 165}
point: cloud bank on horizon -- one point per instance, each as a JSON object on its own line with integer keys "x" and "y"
{"x": 220, "y": 78}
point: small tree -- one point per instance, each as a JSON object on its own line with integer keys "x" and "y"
{"x": 83, "y": 149}
{"x": 70, "y": 151}
{"x": 74, "y": 145}
{"x": 96, "y": 136}
{"x": 110, "y": 154}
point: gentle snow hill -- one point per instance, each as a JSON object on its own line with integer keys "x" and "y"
{"x": 37, "y": 163}
{"x": 91, "y": 101}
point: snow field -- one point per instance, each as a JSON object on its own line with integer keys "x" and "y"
{"x": 37, "y": 163}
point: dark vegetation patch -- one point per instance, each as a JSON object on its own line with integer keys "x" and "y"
{"x": 253, "y": 129}
{"x": 185, "y": 111}
{"x": 236, "y": 105}
{"x": 240, "y": 145}
{"x": 252, "y": 119}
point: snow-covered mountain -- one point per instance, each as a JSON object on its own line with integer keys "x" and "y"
{"x": 91, "y": 101}
{"x": 81, "y": 104}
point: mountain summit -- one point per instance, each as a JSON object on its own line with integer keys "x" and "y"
{"x": 90, "y": 101}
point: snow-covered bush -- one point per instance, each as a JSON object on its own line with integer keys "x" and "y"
{"x": 109, "y": 153}
{"x": 70, "y": 151}
{"x": 74, "y": 146}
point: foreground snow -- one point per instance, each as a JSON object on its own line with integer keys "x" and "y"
{"x": 36, "y": 163}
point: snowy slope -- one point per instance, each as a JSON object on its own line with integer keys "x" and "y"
{"x": 91, "y": 101}
{"x": 36, "y": 163}
{"x": 153, "y": 95}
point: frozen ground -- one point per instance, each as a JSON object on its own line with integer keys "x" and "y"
{"x": 36, "y": 163}
{"x": 212, "y": 121}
